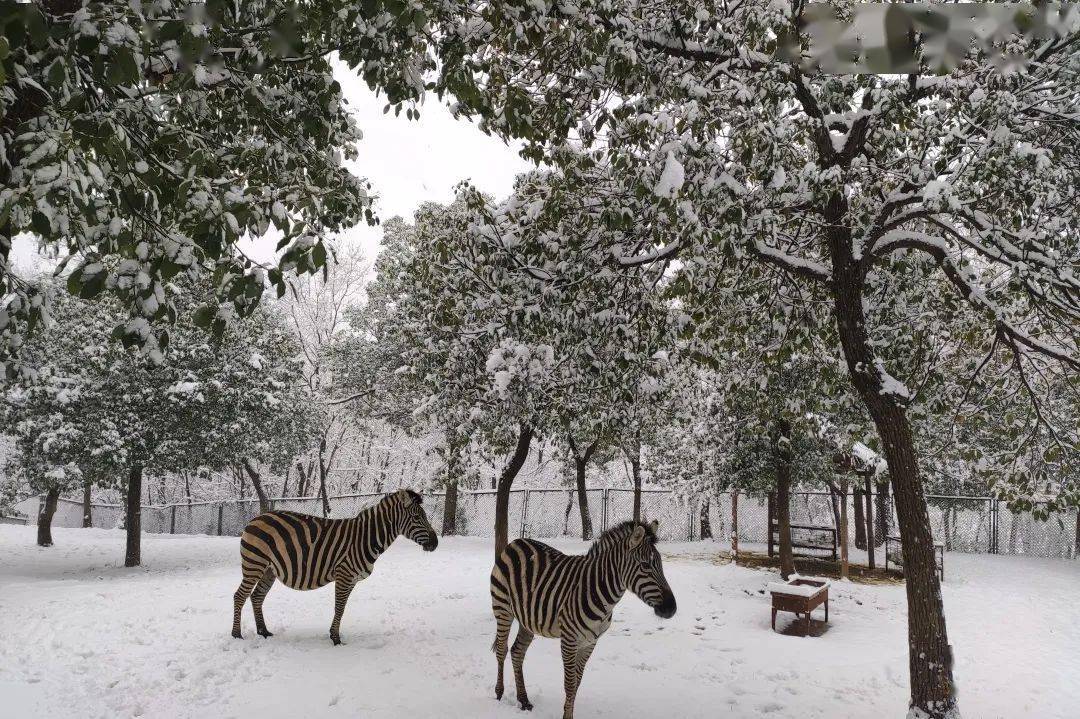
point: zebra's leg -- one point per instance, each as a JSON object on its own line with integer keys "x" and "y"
{"x": 584, "y": 651}
{"x": 257, "y": 597}
{"x": 569, "y": 651}
{"x": 343, "y": 586}
{"x": 517, "y": 657}
{"x": 502, "y": 634}
{"x": 252, "y": 574}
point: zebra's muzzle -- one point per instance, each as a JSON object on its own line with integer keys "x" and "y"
{"x": 431, "y": 544}
{"x": 666, "y": 608}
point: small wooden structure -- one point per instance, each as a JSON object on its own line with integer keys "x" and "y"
{"x": 800, "y": 595}
{"x": 894, "y": 554}
{"x": 807, "y": 540}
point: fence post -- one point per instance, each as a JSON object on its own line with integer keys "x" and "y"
{"x": 220, "y": 516}
{"x": 690, "y": 531}
{"x": 524, "y": 512}
{"x": 604, "y": 504}
{"x": 172, "y": 522}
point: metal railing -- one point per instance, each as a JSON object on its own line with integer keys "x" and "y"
{"x": 961, "y": 524}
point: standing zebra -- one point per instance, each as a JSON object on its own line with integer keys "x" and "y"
{"x": 307, "y": 552}
{"x": 571, "y": 597}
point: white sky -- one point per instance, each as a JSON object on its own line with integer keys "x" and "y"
{"x": 407, "y": 163}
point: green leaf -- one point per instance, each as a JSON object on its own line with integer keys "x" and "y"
{"x": 122, "y": 68}
{"x": 318, "y": 255}
{"x": 204, "y": 316}
{"x": 92, "y": 286}
{"x": 57, "y": 72}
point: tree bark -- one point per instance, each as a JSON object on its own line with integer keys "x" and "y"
{"x": 843, "y": 530}
{"x": 860, "y": 520}
{"x": 1077, "y": 533}
{"x": 706, "y": 523}
{"x": 506, "y": 481}
{"x": 782, "y": 458}
{"x": 735, "y": 525}
{"x": 933, "y": 691}
{"x": 322, "y": 478}
{"x": 635, "y": 473}
{"x": 870, "y": 544}
{"x": 133, "y": 517}
{"x": 449, "y": 522}
{"x": 45, "y": 517}
{"x": 256, "y": 482}
{"x": 302, "y": 480}
{"x": 581, "y": 461}
{"x": 87, "y": 512}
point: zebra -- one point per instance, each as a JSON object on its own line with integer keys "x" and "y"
{"x": 571, "y": 597}
{"x": 307, "y": 552}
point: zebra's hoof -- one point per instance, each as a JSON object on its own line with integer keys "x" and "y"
{"x": 498, "y": 692}
{"x": 265, "y": 633}
{"x": 335, "y": 640}
{"x": 236, "y": 634}
{"x": 526, "y": 706}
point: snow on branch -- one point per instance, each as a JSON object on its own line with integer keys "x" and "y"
{"x": 807, "y": 269}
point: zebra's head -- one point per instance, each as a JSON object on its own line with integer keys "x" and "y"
{"x": 646, "y": 571}
{"x": 414, "y": 522}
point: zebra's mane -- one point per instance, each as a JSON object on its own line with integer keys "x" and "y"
{"x": 617, "y": 535}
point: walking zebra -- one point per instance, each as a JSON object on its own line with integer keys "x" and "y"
{"x": 571, "y": 597}
{"x": 307, "y": 552}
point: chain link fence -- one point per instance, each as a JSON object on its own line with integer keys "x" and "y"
{"x": 961, "y": 524}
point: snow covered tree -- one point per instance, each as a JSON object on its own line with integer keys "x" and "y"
{"x": 692, "y": 136}
{"x": 115, "y": 414}
{"x": 161, "y": 133}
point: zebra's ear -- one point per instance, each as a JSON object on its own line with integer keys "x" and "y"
{"x": 654, "y": 526}
{"x": 636, "y": 536}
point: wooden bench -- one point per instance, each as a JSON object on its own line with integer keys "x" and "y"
{"x": 894, "y": 553}
{"x": 801, "y": 595}
{"x": 807, "y": 540}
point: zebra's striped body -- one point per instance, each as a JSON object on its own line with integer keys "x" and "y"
{"x": 306, "y": 552}
{"x": 571, "y": 597}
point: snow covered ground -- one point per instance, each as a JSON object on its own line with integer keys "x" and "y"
{"x": 80, "y": 636}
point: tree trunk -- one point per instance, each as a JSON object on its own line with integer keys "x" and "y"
{"x": 302, "y": 480}
{"x": 506, "y": 481}
{"x": 87, "y": 512}
{"x": 870, "y": 544}
{"x": 322, "y": 478}
{"x": 843, "y": 530}
{"x": 860, "y": 521}
{"x": 583, "y": 500}
{"x": 735, "y": 525}
{"x": 45, "y": 516}
{"x": 1077, "y": 533}
{"x": 133, "y": 517}
{"x": 782, "y": 460}
{"x": 706, "y": 524}
{"x": 581, "y": 461}
{"x": 449, "y": 521}
{"x": 187, "y": 487}
{"x": 635, "y": 472}
{"x": 834, "y": 501}
{"x": 256, "y": 482}
{"x": 933, "y": 691}
{"x": 881, "y": 522}
{"x": 285, "y": 483}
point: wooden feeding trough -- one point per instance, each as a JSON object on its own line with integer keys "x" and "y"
{"x": 800, "y": 595}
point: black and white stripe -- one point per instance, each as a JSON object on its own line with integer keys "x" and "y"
{"x": 306, "y": 552}
{"x": 571, "y": 597}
